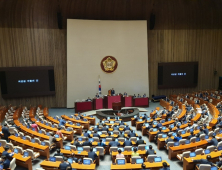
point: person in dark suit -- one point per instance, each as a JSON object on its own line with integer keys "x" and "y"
{"x": 219, "y": 164}
{"x": 115, "y": 127}
{"x": 132, "y": 134}
{"x": 150, "y": 151}
{"x": 203, "y": 161}
{"x": 169, "y": 139}
{"x": 100, "y": 143}
{"x": 88, "y": 100}
{"x": 138, "y": 96}
{"x": 159, "y": 125}
{"x": 86, "y": 134}
{"x": 6, "y": 132}
{"x": 87, "y": 143}
{"x": 112, "y": 92}
{"x": 96, "y": 128}
{"x": 92, "y": 154}
{"x": 6, "y": 153}
{"x": 121, "y": 134}
{"x": 14, "y": 125}
{"x": 58, "y": 153}
{"x": 76, "y": 142}
{"x": 64, "y": 164}
{"x": 127, "y": 142}
{"x": 121, "y": 123}
{"x": 140, "y": 141}
{"x": 165, "y": 167}
{"x": 113, "y": 143}
{"x": 190, "y": 136}
{"x": 95, "y": 134}
{"x": 5, "y": 162}
{"x": 213, "y": 141}
{"x": 124, "y": 94}
{"x": 158, "y": 133}
{"x": 134, "y": 96}
{"x": 144, "y": 95}
{"x": 150, "y": 126}
{"x": 105, "y": 128}
{"x": 206, "y": 131}
{"x": 126, "y": 128}
{"x": 97, "y": 95}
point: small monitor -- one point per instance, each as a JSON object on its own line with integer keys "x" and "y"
{"x": 71, "y": 123}
{"x": 70, "y": 160}
{"x": 146, "y": 147}
{"x": 183, "y": 132}
{"x": 155, "y": 123}
{"x": 148, "y": 118}
{"x": 213, "y": 168}
{"x": 40, "y": 131}
{"x": 154, "y": 129}
{"x": 158, "y": 159}
{"x": 77, "y": 124}
{"x": 1, "y": 167}
{"x": 68, "y": 129}
{"x": 206, "y": 137}
{"x": 164, "y": 135}
{"x": 55, "y": 118}
{"x": 207, "y": 151}
{"x": 91, "y": 116}
{"x": 198, "y": 127}
{"x": 219, "y": 148}
{"x": 15, "y": 150}
{"x": 163, "y": 121}
{"x": 133, "y": 131}
{"x": 103, "y": 140}
{"x": 16, "y": 135}
{"x": 79, "y": 148}
{"x": 94, "y": 149}
{"x": 48, "y": 134}
{"x": 140, "y": 120}
{"x": 103, "y": 121}
{"x": 85, "y": 120}
{"x": 43, "y": 143}
{"x": 95, "y": 126}
{"x": 179, "y": 124}
{"x": 191, "y": 130}
{"x": 220, "y": 131}
{"x": 139, "y": 161}
{"x": 164, "y": 128}
{"x": 52, "y": 159}
{"x": 111, "y": 133}
{"x": 146, "y": 124}
{"x": 25, "y": 154}
{"x": 214, "y": 134}
{"x": 116, "y": 140}
{"x": 135, "y": 116}
{"x": 169, "y": 119}
{"x": 24, "y": 138}
{"x": 120, "y": 161}
{"x": 33, "y": 140}
{"x": 89, "y": 132}
{"x": 138, "y": 138}
{"x": 84, "y": 114}
{"x": 185, "y": 122}
{"x": 80, "y": 139}
{"x": 70, "y": 116}
{"x": 91, "y": 140}
{"x": 187, "y": 142}
{"x": 67, "y": 148}
{"x": 192, "y": 154}
{"x": 176, "y": 143}
{"x": 100, "y": 133}
{"x": 41, "y": 121}
{"x": 122, "y": 149}
{"x": 86, "y": 162}
{"x": 108, "y": 118}
{"x": 47, "y": 124}
{"x": 33, "y": 129}
{"x": 107, "y": 126}
{"x": 111, "y": 122}
{"x": 172, "y": 126}
{"x": 142, "y": 115}
{"x": 56, "y": 136}
{"x": 174, "y": 134}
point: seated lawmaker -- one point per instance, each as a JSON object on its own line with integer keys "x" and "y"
{"x": 213, "y": 141}
{"x": 150, "y": 151}
{"x": 86, "y": 134}
{"x": 138, "y": 96}
{"x": 112, "y": 92}
{"x": 203, "y": 161}
{"x": 120, "y": 155}
{"x": 135, "y": 153}
{"x": 100, "y": 143}
{"x": 5, "y": 162}
{"x": 165, "y": 167}
{"x": 134, "y": 96}
{"x": 95, "y": 134}
{"x": 144, "y": 95}
{"x": 92, "y": 154}
{"x": 113, "y": 143}
{"x": 6, "y": 153}
{"x": 88, "y": 100}
{"x": 65, "y": 164}
{"x": 58, "y": 153}
{"x": 87, "y": 142}
{"x": 127, "y": 142}
{"x": 124, "y": 94}
{"x": 132, "y": 134}
{"x": 97, "y": 95}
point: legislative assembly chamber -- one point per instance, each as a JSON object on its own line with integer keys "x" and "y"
{"x": 111, "y": 85}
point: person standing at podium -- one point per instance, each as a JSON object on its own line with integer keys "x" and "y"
{"x": 97, "y": 95}
{"x": 112, "y": 92}
{"x": 124, "y": 94}
{"x": 138, "y": 96}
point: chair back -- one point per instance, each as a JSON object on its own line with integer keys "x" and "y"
{"x": 101, "y": 150}
{"x": 133, "y": 139}
{"x": 113, "y": 149}
{"x": 211, "y": 148}
{"x": 86, "y": 148}
{"x": 3, "y": 142}
{"x": 91, "y": 161}
{"x": 96, "y": 139}
{"x": 121, "y": 139}
{"x": 141, "y": 147}
{"x": 193, "y": 139}
{"x": 150, "y": 158}
{"x": 59, "y": 158}
{"x": 133, "y": 159}
{"x": 128, "y": 148}
{"x": 12, "y": 165}
{"x": 204, "y": 167}
{"x": 182, "y": 142}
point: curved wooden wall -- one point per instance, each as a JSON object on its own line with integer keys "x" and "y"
{"x": 185, "y": 30}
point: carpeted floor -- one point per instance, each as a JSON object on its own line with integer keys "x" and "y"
{"x": 106, "y": 162}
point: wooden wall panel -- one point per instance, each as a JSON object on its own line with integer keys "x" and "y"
{"x": 185, "y": 30}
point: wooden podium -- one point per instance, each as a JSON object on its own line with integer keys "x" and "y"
{"x": 116, "y": 105}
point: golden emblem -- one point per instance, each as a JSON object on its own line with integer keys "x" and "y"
{"x": 109, "y": 64}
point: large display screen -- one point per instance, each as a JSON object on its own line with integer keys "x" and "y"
{"x": 27, "y": 81}
{"x": 177, "y": 75}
